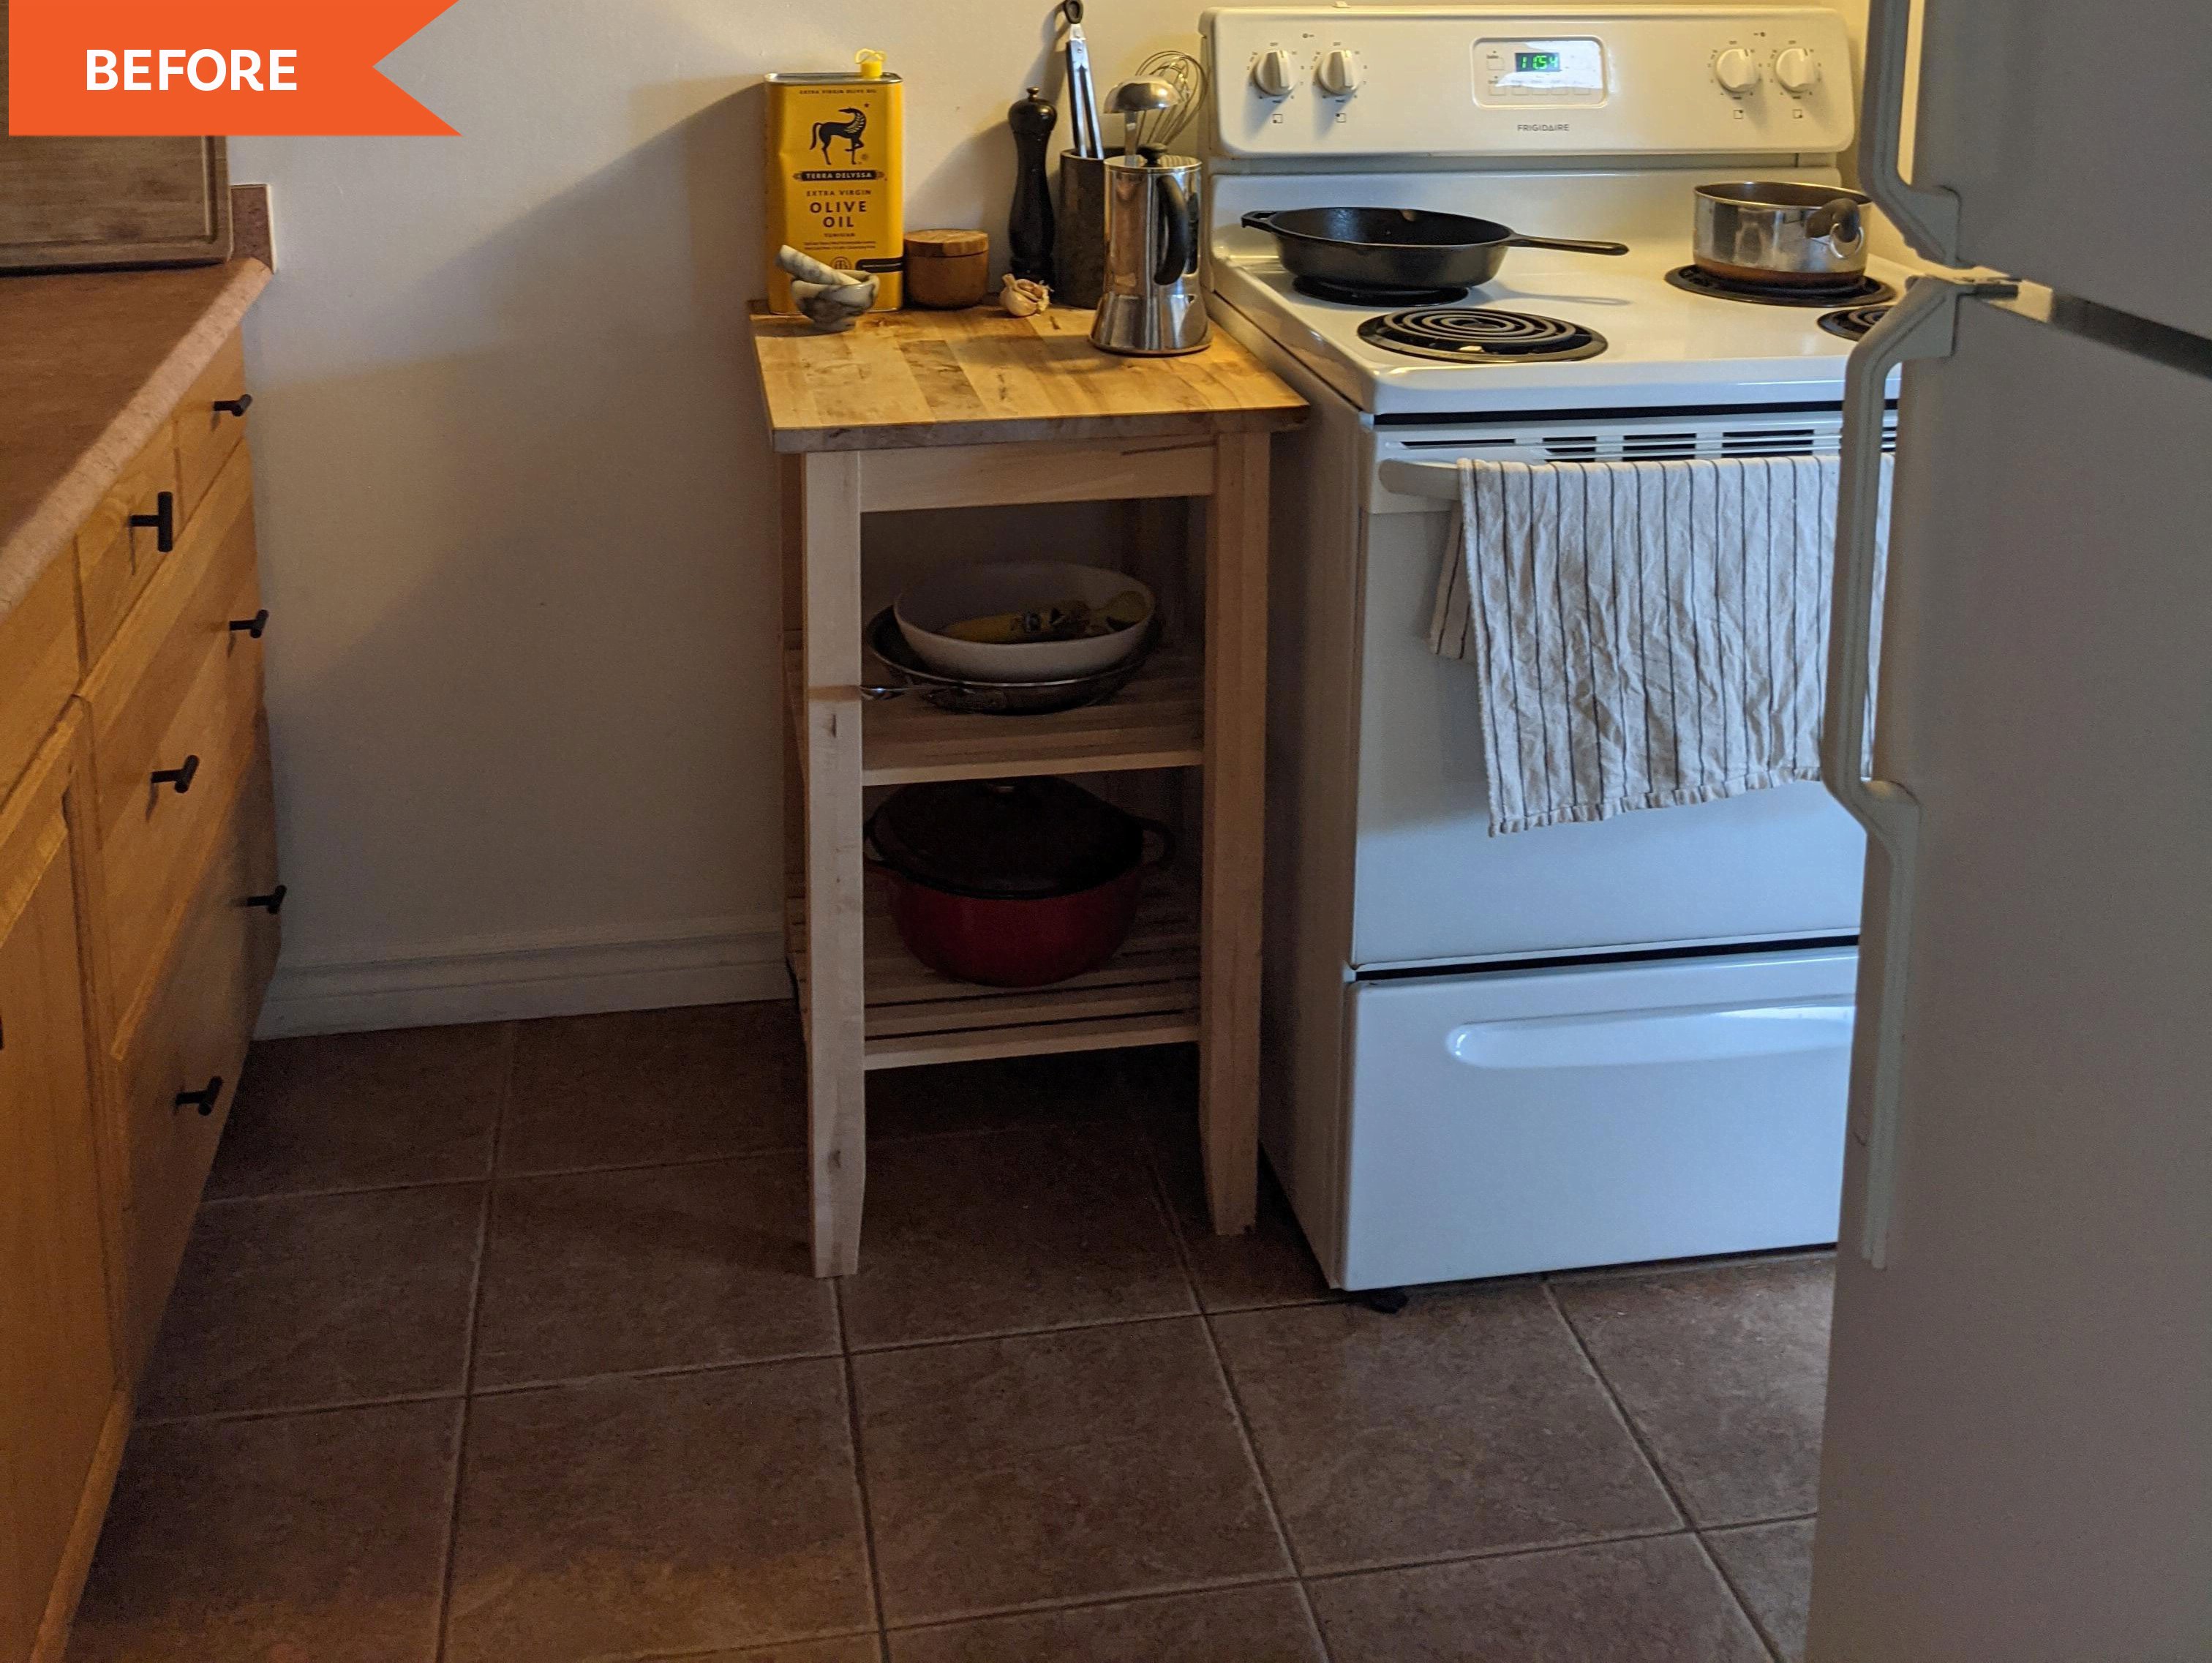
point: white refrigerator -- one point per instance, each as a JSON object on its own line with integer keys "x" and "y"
{"x": 2019, "y": 1448}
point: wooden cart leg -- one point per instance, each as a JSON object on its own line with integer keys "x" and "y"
{"x": 1234, "y": 828}
{"x": 836, "y": 1079}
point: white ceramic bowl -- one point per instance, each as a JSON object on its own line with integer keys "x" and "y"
{"x": 954, "y": 592}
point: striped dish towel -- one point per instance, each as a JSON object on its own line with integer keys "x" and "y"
{"x": 1648, "y": 634}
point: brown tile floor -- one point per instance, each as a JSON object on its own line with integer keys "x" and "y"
{"x": 499, "y": 1344}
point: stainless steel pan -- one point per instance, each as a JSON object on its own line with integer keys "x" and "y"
{"x": 1771, "y": 231}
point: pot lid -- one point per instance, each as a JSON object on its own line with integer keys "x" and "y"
{"x": 1018, "y": 840}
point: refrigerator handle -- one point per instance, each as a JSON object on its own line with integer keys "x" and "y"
{"x": 1926, "y": 214}
{"x": 1923, "y": 325}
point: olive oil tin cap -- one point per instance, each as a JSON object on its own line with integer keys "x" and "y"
{"x": 870, "y": 68}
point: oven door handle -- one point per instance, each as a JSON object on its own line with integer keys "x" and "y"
{"x": 1436, "y": 480}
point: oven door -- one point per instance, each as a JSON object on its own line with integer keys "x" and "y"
{"x": 1434, "y": 887}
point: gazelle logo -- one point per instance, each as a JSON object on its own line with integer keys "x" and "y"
{"x": 848, "y": 132}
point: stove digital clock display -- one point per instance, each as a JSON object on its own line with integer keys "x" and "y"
{"x": 1562, "y": 69}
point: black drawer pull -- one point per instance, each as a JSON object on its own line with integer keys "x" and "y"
{"x": 163, "y": 519}
{"x": 203, "y": 1099}
{"x": 182, "y": 777}
{"x": 237, "y": 406}
{"x": 256, "y": 626}
{"x": 273, "y": 902}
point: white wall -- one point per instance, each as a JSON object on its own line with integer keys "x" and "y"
{"x": 517, "y": 511}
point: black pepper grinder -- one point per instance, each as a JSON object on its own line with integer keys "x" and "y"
{"x": 1030, "y": 230}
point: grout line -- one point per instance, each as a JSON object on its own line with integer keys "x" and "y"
{"x": 1236, "y": 1411}
{"x": 1313, "y": 1621}
{"x": 509, "y": 1175}
{"x": 1148, "y": 1157}
{"x": 1757, "y": 1628}
{"x": 769, "y": 1650}
{"x": 1628, "y": 1421}
{"x": 1251, "y": 1445}
{"x": 1053, "y": 1607}
{"x": 344, "y": 1189}
{"x": 279, "y": 1411}
{"x": 1757, "y": 1523}
{"x": 860, "y": 1470}
{"x": 1165, "y": 1207}
{"x": 1026, "y": 1333}
{"x": 664, "y": 1371}
{"x": 484, "y": 1226}
{"x": 875, "y": 1140}
{"x": 1709, "y": 1263}
{"x": 1510, "y": 1550}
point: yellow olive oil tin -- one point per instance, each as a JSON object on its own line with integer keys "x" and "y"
{"x": 836, "y": 176}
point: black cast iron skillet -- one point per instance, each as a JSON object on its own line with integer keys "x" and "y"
{"x": 1385, "y": 248}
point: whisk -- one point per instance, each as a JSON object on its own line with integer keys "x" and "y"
{"x": 1159, "y": 130}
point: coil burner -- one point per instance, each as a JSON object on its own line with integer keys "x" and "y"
{"x": 1346, "y": 294}
{"x": 1844, "y": 291}
{"x": 1853, "y": 322}
{"x": 1467, "y": 335}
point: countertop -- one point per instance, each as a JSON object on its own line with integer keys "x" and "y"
{"x": 91, "y": 364}
{"x": 905, "y": 379}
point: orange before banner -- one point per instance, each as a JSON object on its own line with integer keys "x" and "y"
{"x": 288, "y": 67}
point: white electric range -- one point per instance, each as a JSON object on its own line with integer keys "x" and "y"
{"x": 1590, "y": 1043}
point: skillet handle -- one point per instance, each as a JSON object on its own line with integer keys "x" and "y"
{"x": 1567, "y": 243}
{"x": 1259, "y": 219}
{"x": 870, "y": 857}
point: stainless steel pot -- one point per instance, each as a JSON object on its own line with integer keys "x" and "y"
{"x": 1768, "y": 231}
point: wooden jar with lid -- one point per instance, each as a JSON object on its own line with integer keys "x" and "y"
{"x": 947, "y": 269}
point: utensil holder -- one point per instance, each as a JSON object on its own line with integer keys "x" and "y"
{"x": 1080, "y": 252}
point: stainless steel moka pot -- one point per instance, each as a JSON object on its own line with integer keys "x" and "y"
{"x": 1152, "y": 306}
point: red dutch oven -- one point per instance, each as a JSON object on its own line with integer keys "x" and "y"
{"x": 1012, "y": 883}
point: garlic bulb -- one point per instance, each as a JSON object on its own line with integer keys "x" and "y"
{"x": 1023, "y": 298}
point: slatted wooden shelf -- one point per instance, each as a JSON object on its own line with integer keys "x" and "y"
{"x": 1158, "y": 720}
{"x": 1146, "y": 995}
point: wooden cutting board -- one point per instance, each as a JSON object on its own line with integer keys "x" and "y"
{"x": 97, "y": 202}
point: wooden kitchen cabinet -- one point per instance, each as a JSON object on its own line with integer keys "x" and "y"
{"x": 138, "y": 886}
{"x": 63, "y": 1404}
{"x": 191, "y": 1046}
{"x": 174, "y": 706}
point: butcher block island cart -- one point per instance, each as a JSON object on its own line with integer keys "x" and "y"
{"x": 959, "y": 410}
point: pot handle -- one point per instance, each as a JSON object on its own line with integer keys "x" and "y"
{"x": 1841, "y": 223}
{"x": 1571, "y": 245}
{"x": 1259, "y": 219}
{"x": 1168, "y": 845}
{"x": 870, "y": 857}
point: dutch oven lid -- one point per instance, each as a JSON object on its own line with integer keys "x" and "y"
{"x": 1019, "y": 840}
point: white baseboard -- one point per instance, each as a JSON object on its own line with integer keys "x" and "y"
{"x": 555, "y": 973}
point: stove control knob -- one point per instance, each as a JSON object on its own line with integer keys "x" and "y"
{"x": 1272, "y": 73}
{"x": 1338, "y": 73}
{"x": 1737, "y": 70}
{"x": 1796, "y": 71}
